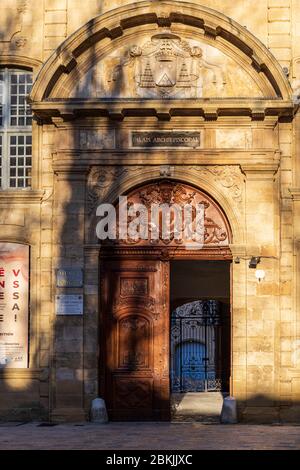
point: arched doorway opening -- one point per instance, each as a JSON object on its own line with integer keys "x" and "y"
{"x": 138, "y": 295}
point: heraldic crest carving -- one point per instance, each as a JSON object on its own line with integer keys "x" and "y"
{"x": 166, "y": 66}
{"x": 169, "y": 67}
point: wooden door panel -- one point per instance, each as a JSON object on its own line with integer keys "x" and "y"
{"x": 135, "y": 339}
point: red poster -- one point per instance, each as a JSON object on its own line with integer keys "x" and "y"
{"x": 14, "y": 298}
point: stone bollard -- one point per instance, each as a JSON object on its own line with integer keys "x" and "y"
{"x": 98, "y": 411}
{"x": 229, "y": 411}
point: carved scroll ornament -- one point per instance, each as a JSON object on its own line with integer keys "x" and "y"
{"x": 217, "y": 232}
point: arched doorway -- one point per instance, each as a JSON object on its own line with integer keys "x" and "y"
{"x": 136, "y": 366}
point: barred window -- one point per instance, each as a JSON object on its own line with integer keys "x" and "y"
{"x": 15, "y": 129}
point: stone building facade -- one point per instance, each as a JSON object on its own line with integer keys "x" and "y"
{"x": 109, "y": 78}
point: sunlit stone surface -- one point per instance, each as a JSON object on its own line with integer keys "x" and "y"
{"x": 184, "y": 69}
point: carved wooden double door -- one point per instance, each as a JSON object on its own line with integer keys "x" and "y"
{"x": 135, "y": 315}
{"x": 135, "y": 339}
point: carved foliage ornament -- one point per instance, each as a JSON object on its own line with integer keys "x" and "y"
{"x": 216, "y": 230}
{"x": 102, "y": 179}
{"x": 230, "y": 177}
{"x": 12, "y": 12}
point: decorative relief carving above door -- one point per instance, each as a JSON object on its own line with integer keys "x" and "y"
{"x": 104, "y": 180}
{"x": 13, "y": 26}
{"x": 216, "y": 233}
{"x": 164, "y": 66}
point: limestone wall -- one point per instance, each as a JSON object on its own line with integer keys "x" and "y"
{"x": 55, "y": 219}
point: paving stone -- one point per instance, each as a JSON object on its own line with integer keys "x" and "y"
{"x": 149, "y": 436}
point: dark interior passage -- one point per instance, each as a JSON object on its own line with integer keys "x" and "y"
{"x": 200, "y": 330}
{"x": 195, "y": 280}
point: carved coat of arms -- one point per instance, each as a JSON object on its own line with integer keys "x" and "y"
{"x": 169, "y": 67}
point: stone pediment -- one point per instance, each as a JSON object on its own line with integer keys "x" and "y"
{"x": 168, "y": 66}
{"x": 180, "y": 59}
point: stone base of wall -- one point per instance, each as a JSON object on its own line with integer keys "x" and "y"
{"x": 26, "y": 413}
{"x": 270, "y": 415}
{"x": 249, "y": 415}
{"x": 69, "y": 415}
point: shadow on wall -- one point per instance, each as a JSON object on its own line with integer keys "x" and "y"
{"x": 262, "y": 409}
{"x": 73, "y": 371}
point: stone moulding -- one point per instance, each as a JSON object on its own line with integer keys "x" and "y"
{"x": 12, "y": 29}
{"x": 103, "y": 181}
{"x": 113, "y": 25}
{"x": 117, "y": 110}
{"x": 20, "y": 61}
{"x": 229, "y": 176}
{"x": 106, "y": 183}
{"x": 22, "y": 197}
{"x": 34, "y": 374}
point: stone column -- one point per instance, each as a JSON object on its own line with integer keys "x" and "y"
{"x": 68, "y": 249}
{"x": 289, "y": 138}
{"x": 91, "y": 324}
{"x": 238, "y": 326}
{"x": 263, "y": 320}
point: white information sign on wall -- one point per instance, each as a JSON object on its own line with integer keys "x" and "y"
{"x": 14, "y": 298}
{"x": 69, "y": 304}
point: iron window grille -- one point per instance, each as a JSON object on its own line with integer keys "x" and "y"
{"x": 15, "y": 129}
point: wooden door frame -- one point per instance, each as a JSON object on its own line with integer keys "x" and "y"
{"x": 165, "y": 254}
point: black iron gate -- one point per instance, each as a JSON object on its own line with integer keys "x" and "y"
{"x": 199, "y": 353}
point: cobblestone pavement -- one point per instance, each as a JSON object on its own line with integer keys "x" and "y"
{"x": 149, "y": 436}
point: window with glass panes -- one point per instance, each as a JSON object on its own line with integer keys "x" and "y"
{"x": 15, "y": 129}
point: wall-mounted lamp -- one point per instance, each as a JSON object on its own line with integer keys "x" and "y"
{"x": 260, "y": 274}
{"x": 254, "y": 261}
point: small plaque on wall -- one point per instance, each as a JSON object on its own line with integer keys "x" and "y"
{"x": 69, "y": 277}
{"x": 69, "y": 304}
{"x": 167, "y": 139}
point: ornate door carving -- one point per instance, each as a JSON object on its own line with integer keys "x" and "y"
{"x": 135, "y": 339}
{"x": 216, "y": 234}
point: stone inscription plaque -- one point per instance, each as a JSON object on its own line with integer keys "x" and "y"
{"x": 71, "y": 277}
{"x": 69, "y": 304}
{"x": 189, "y": 139}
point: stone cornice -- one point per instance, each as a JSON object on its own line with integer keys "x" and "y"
{"x": 70, "y": 171}
{"x": 20, "y": 61}
{"x": 295, "y": 193}
{"x": 238, "y": 250}
{"x": 72, "y": 159}
{"x": 260, "y": 171}
{"x": 21, "y": 197}
{"x": 35, "y": 374}
{"x": 91, "y": 249}
{"x": 59, "y": 111}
